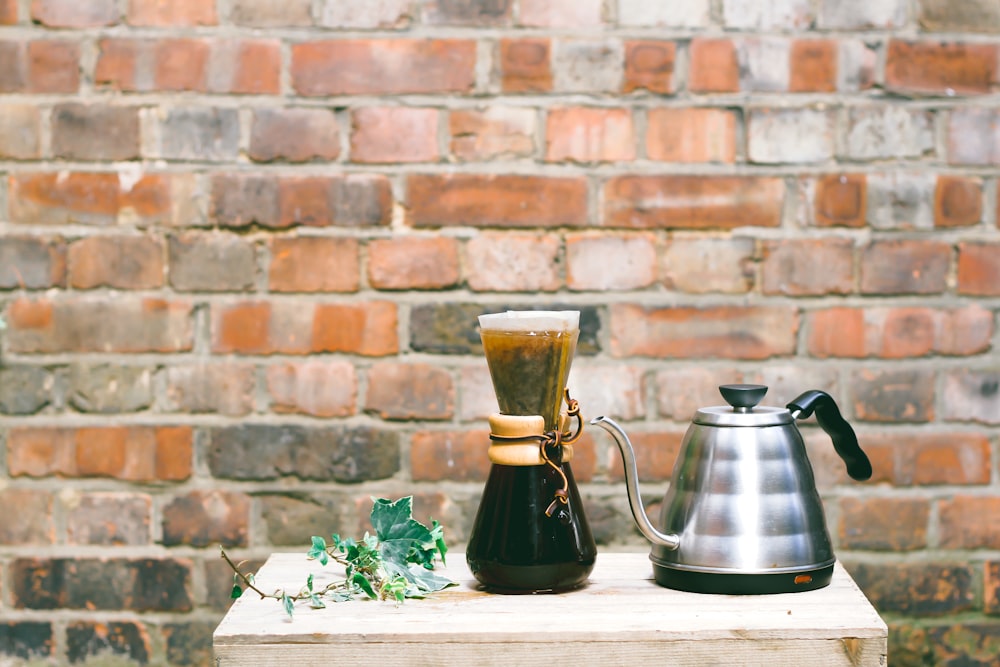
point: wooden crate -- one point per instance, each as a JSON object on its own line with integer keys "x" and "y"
{"x": 620, "y": 618}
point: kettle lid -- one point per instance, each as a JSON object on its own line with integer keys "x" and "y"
{"x": 743, "y": 409}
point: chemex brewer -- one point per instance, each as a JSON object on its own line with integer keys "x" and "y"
{"x": 530, "y": 533}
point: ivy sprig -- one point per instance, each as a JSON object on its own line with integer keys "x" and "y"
{"x": 395, "y": 563}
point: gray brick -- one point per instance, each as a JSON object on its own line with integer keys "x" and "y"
{"x": 199, "y": 134}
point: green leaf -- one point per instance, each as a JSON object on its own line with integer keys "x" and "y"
{"x": 361, "y": 581}
{"x": 288, "y": 604}
{"x": 423, "y": 580}
{"x": 236, "y": 592}
{"x": 437, "y": 532}
{"x": 402, "y": 537}
{"x": 318, "y": 550}
{"x": 316, "y": 603}
{"x": 309, "y": 582}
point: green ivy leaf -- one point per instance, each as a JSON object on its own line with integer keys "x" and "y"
{"x": 403, "y": 539}
{"x": 318, "y": 550}
{"x": 315, "y": 602}
{"x": 288, "y": 604}
{"x": 236, "y": 592}
{"x": 361, "y": 581}
{"x": 309, "y": 582}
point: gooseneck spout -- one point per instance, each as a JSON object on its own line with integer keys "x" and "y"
{"x": 632, "y": 486}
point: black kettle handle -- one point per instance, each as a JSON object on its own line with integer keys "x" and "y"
{"x": 844, "y": 439}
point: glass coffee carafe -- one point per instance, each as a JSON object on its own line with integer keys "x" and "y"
{"x": 530, "y": 533}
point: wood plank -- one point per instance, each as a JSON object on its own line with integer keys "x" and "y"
{"x": 621, "y": 613}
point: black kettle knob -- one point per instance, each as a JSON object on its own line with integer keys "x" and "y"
{"x": 743, "y": 396}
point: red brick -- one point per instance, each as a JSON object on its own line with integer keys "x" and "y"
{"x": 513, "y": 263}
{"x": 495, "y": 132}
{"x": 257, "y": 70}
{"x": 294, "y": 135}
{"x": 883, "y": 524}
{"x": 8, "y": 12}
{"x": 701, "y": 265}
{"x": 362, "y": 328}
{"x": 480, "y": 200}
{"x": 691, "y": 135}
{"x": 728, "y": 332}
{"x": 178, "y": 64}
{"x": 108, "y": 518}
{"x": 313, "y": 264}
{"x": 32, "y": 262}
{"x": 100, "y": 324}
{"x": 133, "y": 453}
{"x": 803, "y": 267}
{"x": 969, "y": 522}
{"x": 526, "y": 65}
{"x": 158, "y": 13}
{"x": 928, "y": 459}
{"x": 893, "y": 395}
{"x": 941, "y": 67}
{"x": 394, "y": 134}
{"x": 68, "y": 14}
{"x": 905, "y": 267}
{"x": 655, "y": 455}
{"x": 124, "y": 262}
{"x": 991, "y": 587}
{"x": 383, "y": 66}
{"x": 695, "y": 202}
{"x": 813, "y": 66}
{"x": 714, "y": 67}
{"x": 316, "y": 388}
{"x": 223, "y": 388}
{"x": 20, "y": 132}
{"x": 958, "y": 201}
{"x": 207, "y": 518}
{"x": 410, "y": 391}
{"x": 841, "y": 200}
{"x": 31, "y": 522}
{"x": 649, "y": 65}
{"x": 586, "y": 134}
{"x": 979, "y": 268}
{"x": 625, "y": 262}
{"x": 413, "y": 263}
{"x": 51, "y": 66}
{"x": 455, "y": 456}
{"x": 304, "y": 200}
{"x": 242, "y": 328}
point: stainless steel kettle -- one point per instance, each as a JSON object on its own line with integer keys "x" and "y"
{"x": 742, "y": 515}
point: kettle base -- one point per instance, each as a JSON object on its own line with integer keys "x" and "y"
{"x": 729, "y": 583}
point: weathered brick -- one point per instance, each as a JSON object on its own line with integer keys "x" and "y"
{"x": 649, "y": 13}
{"x": 494, "y": 132}
{"x": 68, "y": 14}
{"x": 248, "y": 67}
{"x": 210, "y": 134}
{"x": 32, "y": 522}
{"x": 838, "y": 200}
{"x": 99, "y": 324}
{"x": 991, "y": 587}
{"x": 413, "y": 263}
{"x": 506, "y": 262}
{"x": 979, "y": 268}
{"x": 796, "y": 136}
{"x": 958, "y": 201}
{"x": 211, "y": 262}
{"x": 616, "y": 390}
{"x": 124, "y": 262}
{"x": 110, "y": 388}
{"x": 587, "y": 65}
{"x": 729, "y": 332}
{"x": 714, "y": 67}
{"x": 32, "y": 262}
{"x": 475, "y": 386}
{"x": 384, "y": 14}
{"x": 316, "y": 388}
{"x": 410, "y": 391}
{"x": 655, "y": 454}
{"x": 40, "y": 66}
{"x": 701, "y": 388}
{"x": 917, "y": 588}
{"x": 888, "y": 132}
{"x": 239, "y": 200}
{"x": 143, "y": 584}
{"x": 899, "y": 332}
{"x": 696, "y": 202}
{"x": 778, "y": 15}
{"x": 189, "y": 643}
{"x": 802, "y": 267}
{"x": 176, "y": 13}
{"x": 901, "y": 200}
{"x": 294, "y": 135}
{"x": 893, "y": 395}
{"x": 649, "y": 65}
{"x": 26, "y": 640}
{"x": 224, "y": 388}
{"x": 383, "y": 66}
{"x": 526, "y": 65}
{"x": 8, "y": 16}
{"x": 271, "y": 13}
{"x": 127, "y": 640}
{"x": 691, "y": 135}
{"x": 95, "y": 132}
{"x": 883, "y": 524}
{"x": 456, "y": 456}
{"x": 968, "y": 16}
{"x": 203, "y": 518}
{"x": 971, "y": 396}
{"x": 966, "y": 642}
{"x": 313, "y": 264}
{"x": 468, "y": 12}
{"x": 917, "y": 458}
{"x": 968, "y": 522}
{"x": 291, "y": 519}
{"x": 702, "y": 265}
{"x": 134, "y": 453}
{"x": 941, "y": 68}
{"x": 271, "y": 451}
{"x": 560, "y": 13}
{"x": 496, "y": 200}
{"x": 20, "y": 132}
{"x": 904, "y": 267}
{"x": 394, "y": 134}
{"x": 626, "y": 262}
{"x": 589, "y": 134}
{"x": 861, "y": 15}
{"x": 765, "y": 64}
{"x": 973, "y": 136}
{"x": 109, "y": 518}
{"x": 24, "y": 390}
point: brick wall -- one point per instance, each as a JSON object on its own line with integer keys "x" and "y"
{"x": 243, "y": 245}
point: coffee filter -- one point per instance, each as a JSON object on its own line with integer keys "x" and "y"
{"x": 531, "y": 320}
